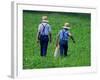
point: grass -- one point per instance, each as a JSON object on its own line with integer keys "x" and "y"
{"x": 78, "y": 53}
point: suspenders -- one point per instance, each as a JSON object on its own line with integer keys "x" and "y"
{"x": 64, "y": 35}
{"x": 43, "y": 31}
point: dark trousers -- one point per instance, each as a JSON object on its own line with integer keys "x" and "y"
{"x": 44, "y": 44}
{"x": 63, "y": 47}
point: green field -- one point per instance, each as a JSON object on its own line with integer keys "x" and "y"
{"x": 78, "y": 54}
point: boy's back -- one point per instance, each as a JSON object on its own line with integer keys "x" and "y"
{"x": 64, "y": 34}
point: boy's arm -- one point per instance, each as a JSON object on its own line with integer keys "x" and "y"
{"x": 72, "y": 37}
{"x": 50, "y": 34}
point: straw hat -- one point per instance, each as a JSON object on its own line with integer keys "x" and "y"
{"x": 45, "y": 19}
{"x": 66, "y": 26}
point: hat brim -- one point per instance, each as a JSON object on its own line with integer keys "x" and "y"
{"x": 66, "y": 27}
{"x": 45, "y": 21}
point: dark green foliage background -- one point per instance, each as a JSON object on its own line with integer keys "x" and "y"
{"x": 78, "y": 53}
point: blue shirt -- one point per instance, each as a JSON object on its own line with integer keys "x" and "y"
{"x": 64, "y": 34}
{"x": 44, "y": 28}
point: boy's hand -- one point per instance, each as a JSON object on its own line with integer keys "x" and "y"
{"x": 57, "y": 44}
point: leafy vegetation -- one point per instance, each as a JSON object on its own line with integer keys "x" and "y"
{"x": 78, "y": 53}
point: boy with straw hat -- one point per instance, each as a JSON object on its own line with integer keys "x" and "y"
{"x": 44, "y": 35}
{"x": 62, "y": 39}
